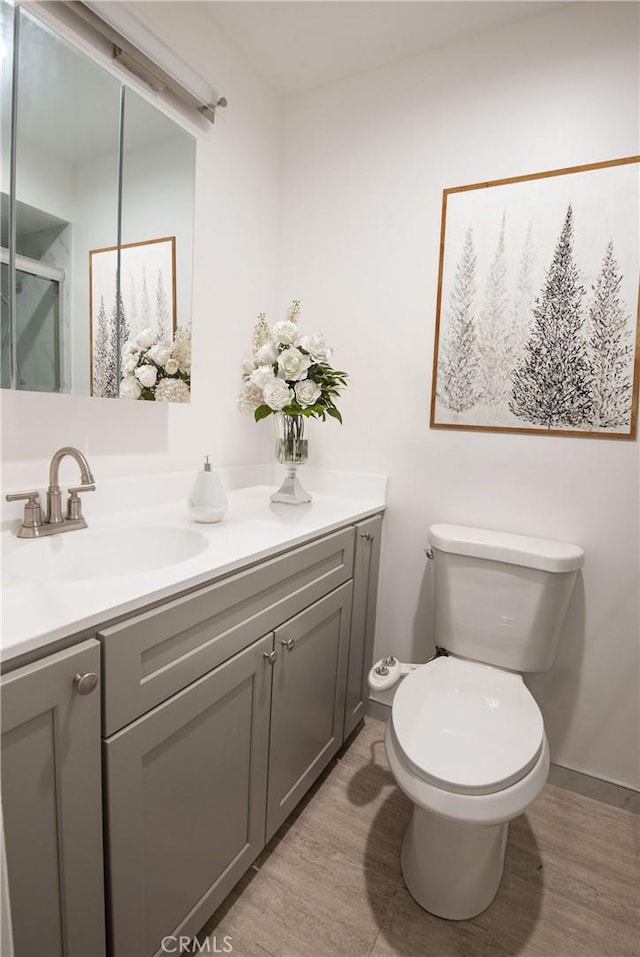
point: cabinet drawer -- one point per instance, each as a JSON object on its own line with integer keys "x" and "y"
{"x": 151, "y": 656}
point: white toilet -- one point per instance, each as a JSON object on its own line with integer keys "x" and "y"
{"x": 466, "y": 740}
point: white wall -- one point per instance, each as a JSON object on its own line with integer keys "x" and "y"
{"x": 237, "y": 189}
{"x": 365, "y": 163}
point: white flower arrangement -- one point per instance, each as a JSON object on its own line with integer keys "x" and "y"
{"x": 289, "y": 373}
{"x": 157, "y": 370}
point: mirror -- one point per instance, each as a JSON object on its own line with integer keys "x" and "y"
{"x": 103, "y": 222}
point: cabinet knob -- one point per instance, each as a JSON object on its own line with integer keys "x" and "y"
{"x": 289, "y": 643}
{"x": 85, "y": 684}
{"x": 271, "y": 656}
{"x": 368, "y": 537}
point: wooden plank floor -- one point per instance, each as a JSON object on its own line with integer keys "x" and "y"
{"x": 329, "y": 883}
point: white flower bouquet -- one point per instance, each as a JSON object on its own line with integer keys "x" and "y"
{"x": 156, "y": 369}
{"x": 289, "y": 373}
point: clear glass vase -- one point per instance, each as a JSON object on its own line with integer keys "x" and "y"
{"x": 292, "y": 450}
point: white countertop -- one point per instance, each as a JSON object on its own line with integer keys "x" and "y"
{"x": 38, "y": 613}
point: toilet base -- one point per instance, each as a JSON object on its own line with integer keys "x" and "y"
{"x": 451, "y": 868}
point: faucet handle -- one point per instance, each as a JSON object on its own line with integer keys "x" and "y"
{"x": 16, "y": 496}
{"x": 82, "y": 488}
{"x": 32, "y": 512}
{"x": 74, "y": 505}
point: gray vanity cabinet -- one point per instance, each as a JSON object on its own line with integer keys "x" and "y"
{"x": 52, "y": 804}
{"x": 185, "y": 788}
{"x": 363, "y": 619}
{"x": 307, "y": 710}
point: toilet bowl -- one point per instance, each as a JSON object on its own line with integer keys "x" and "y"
{"x": 466, "y": 740}
{"x": 466, "y": 744}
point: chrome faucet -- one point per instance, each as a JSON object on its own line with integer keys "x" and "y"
{"x": 54, "y": 522}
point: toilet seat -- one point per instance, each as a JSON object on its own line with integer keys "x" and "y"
{"x": 465, "y": 727}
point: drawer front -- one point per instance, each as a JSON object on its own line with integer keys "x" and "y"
{"x": 153, "y": 655}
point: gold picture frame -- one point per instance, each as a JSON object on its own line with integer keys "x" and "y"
{"x": 537, "y": 306}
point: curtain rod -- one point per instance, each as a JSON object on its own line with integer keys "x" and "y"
{"x": 129, "y": 56}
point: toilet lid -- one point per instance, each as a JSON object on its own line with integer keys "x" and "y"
{"x": 467, "y": 727}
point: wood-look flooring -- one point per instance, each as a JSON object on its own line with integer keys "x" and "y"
{"x": 329, "y": 883}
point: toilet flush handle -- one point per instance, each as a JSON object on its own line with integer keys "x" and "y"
{"x": 429, "y": 552}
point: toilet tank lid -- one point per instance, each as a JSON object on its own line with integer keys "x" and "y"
{"x": 541, "y": 553}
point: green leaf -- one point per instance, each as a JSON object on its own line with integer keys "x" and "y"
{"x": 262, "y": 412}
{"x": 335, "y": 414}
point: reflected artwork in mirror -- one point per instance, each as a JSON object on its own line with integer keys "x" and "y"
{"x": 93, "y": 167}
{"x": 132, "y": 292}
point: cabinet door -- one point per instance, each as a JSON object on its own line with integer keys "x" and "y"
{"x": 307, "y": 708}
{"x": 52, "y": 806}
{"x": 186, "y": 789}
{"x": 363, "y": 619}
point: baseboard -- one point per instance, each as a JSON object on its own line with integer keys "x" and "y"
{"x": 378, "y": 710}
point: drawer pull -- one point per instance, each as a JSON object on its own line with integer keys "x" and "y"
{"x": 289, "y": 643}
{"x": 85, "y": 684}
{"x": 368, "y": 537}
{"x": 271, "y": 656}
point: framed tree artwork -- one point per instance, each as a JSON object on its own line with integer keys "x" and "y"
{"x": 537, "y": 310}
{"x": 144, "y": 298}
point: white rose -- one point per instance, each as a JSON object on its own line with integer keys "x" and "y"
{"x": 130, "y": 347}
{"x": 307, "y": 392}
{"x": 171, "y": 367}
{"x": 277, "y": 394}
{"x": 286, "y": 332}
{"x": 160, "y": 352}
{"x": 145, "y": 339}
{"x": 129, "y": 363}
{"x": 130, "y": 388}
{"x": 293, "y": 364}
{"x": 248, "y": 365}
{"x": 146, "y": 376}
{"x": 317, "y": 347}
{"x": 261, "y": 376}
{"x": 266, "y": 354}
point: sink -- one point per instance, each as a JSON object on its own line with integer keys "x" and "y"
{"x": 97, "y": 553}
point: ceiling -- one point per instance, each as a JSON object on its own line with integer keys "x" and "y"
{"x": 298, "y": 45}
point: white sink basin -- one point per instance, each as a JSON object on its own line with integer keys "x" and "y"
{"x": 96, "y": 553}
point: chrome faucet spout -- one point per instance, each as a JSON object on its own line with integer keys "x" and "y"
{"x": 54, "y": 495}
{"x": 54, "y": 469}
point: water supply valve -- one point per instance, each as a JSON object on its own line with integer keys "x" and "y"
{"x": 384, "y": 674}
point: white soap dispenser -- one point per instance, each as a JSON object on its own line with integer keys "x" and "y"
{"x": 208, "y": 499}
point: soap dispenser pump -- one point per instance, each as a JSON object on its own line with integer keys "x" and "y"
{"x": 208, "y": 499}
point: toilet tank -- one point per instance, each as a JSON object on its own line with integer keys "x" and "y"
{"x": 501, "y": 598}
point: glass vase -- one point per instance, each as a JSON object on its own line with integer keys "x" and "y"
{"x": 292, "y": 450}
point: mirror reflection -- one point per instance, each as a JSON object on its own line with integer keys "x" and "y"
{"x": 103, "y": 228}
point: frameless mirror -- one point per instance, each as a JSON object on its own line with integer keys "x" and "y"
{"x": 102, "y": 232}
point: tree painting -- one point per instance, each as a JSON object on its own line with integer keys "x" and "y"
{"x": 611, "y": 348}
{"x": 522, "y": 302}
{"x": 495, "y": 338}
{"x": 520, "y": 343}
{"x": 459, "y": 354}
{"x": 552, "y": 387}
{"x": 163, "y": 320}
{"x": 101, "y": 347}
